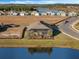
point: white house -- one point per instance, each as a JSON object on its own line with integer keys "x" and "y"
{"x": 61, "y": 13}
{"x": 2, "y": 13}
{"x": 72, "y": 13}
{"x": 22, "y": 13}
{"x": 14, "y": 13}
{"x": 54, "y": 12}
{"x": 43, "y": 11}
{"x": 43, "y": 14}
{"x": 10, "y": 13}
{"x": 27, "y": 13}
{"x": 35, "y": 13}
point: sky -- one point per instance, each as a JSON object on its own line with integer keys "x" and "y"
{"x": 39, "y": 1}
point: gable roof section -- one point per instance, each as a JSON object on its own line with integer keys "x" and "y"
{"x": 37, "y": 25}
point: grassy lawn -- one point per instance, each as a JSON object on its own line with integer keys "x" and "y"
{"x": 77, "y": 26}
{"x": 59, "y": 41}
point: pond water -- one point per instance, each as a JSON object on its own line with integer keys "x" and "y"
{"x": 38, "y": 53}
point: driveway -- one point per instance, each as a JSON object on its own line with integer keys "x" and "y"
{"x": 66, "y": 28}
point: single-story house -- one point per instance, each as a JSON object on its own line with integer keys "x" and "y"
{"x": 54, "y": 12}
{"x": 10, "y": 13}
{"x": 72, "y": 13}
{"x": 43, "y": 11}
{"x": 2, "y": 13}
{"x": 14, "y": 13}
{"x": 22, "y": 13}
{"x": 61, "y": 13}
{"x": 26, "y": 13}
{"x": 35, "y": 13}
{"x": 39, "y": 30}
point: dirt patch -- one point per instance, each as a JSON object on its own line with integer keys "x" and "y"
{"x": 26, "y": 20}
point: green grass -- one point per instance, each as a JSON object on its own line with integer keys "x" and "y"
{"x": 59, "y": 41}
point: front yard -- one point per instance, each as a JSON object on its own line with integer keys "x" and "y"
{"x": 59, "y": 41}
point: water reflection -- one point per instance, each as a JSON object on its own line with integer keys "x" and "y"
{"x": 40, "y": 50}
{"x": 38, "y": 53}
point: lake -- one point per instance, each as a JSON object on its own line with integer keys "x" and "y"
{"x": 38, "y": 53}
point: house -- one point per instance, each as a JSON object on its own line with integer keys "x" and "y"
{"x": 72, "y": 13}
{"x": 10, "y": 13}
{"x": 43, "y": 11}
{"x": 14, "y": 14}
{"x": 2, "y": 13}
{"x": 54, "y": 12}
{"x": 26, "y": 13}
{"x": 39, "y": 30}
{"x": 23, "y": 13}
{"x": 61, "y": 13}
{"x": 48, "y": 13}
{"x": 35, "y": 13}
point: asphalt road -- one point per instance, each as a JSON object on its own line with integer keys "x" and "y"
{"x": 66, "y": 28}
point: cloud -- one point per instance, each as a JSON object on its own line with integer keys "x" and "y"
{"x": 39, "y": 1}
{"x": 28, "y": 2}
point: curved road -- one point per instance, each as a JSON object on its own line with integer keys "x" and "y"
{"x": 66, "y": 28}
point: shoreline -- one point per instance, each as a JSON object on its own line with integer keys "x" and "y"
{"x": 34, "y": 46}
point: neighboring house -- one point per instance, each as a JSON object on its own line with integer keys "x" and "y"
{"x": 49, "y": 13}
{"x": 39, "y": 30}
{"x": 54, "y": 12}
{"x": 26, "y": 13}
{"x": 43, "y": 11}
{"x": 61, "y": 13}
{"x": 14, "y": 13}
{"x": 10, "y": 13}
{"x": 35, "y": 13}
{"x": 2, "y": 13}
{"x": 72, "y": 14}
{"x": 23, "y": 13}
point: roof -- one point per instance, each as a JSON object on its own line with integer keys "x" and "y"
{"x": 37, "y": 25}
{"x": 42, "y": 10}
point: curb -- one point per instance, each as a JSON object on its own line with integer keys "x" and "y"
{"x": 69, "y": 35}
{"x": 73, "y": 26}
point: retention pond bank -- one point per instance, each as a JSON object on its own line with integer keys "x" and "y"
{"x": 38, "y": 53}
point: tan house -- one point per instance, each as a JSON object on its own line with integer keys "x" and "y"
{"x": 39, "y": 30}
